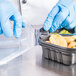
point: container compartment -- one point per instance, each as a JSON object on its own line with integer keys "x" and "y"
{"x": 46, "y": 52}
{"x": 56, "y": 53}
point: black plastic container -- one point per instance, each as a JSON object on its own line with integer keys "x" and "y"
{"x": 56, "y": 53}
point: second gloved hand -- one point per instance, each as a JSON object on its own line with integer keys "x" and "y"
{"x": 9, "y": 12}
{"x": 62, "y": 15}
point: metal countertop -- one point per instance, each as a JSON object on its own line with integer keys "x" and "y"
{"x": 32, "y": 63}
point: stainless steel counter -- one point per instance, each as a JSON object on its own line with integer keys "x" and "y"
{"x": 33, "y": 64}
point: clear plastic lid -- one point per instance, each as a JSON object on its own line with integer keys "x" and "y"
{"x": 10, "y": 48}
{"x": 13, "y": 42}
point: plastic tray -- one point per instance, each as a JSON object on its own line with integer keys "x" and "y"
{"x": 11, "y": 48}
{"x": 56, "y": 53}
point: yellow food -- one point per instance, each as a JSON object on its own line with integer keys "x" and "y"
{"x": 48, "y": 41}
{"x": 68, "y": 39}
{"x": 74, "y": 37}
{"x": 64, "y": 41}
{"x": 64, "y": 32}
{"x": 72, "y": 45}
{"x": 58, "y": 40}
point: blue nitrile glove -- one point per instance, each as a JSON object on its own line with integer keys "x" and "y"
{"x": 62, "y": 15}
{"x": 9, "y": 12}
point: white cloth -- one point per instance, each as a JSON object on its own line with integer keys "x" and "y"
{"x": 35, "y": 11}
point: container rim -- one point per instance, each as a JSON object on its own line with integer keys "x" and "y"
{"x": 63, "y": 49}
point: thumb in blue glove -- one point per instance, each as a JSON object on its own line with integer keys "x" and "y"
{"x": 9, "y": 12}
{"x": 62, "y": 15}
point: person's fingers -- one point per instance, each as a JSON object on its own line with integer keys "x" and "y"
{"x": 17, "y": 24}
{"x": 23, "y": 24}
{"x": 70, "y": 18}
{"x": 48, "y": 22}
{"x": 60, "y": 17}
{"x": 1, "y": 31}
{"x": 6, "y": 28}
{"x": 72, "y": 25}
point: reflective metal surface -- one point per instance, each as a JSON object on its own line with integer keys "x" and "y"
{"x": 33, "y": 64}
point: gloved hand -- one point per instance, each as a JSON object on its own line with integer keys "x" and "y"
{"x": 9, "y": 12}
{"x": 62, "y": 15}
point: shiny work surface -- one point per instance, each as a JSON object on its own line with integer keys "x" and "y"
{"x": 33, "y": 64}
